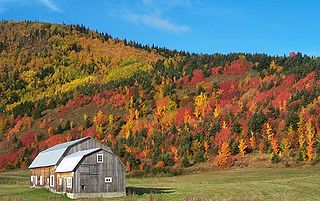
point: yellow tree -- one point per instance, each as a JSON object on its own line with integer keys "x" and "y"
{"x": 196, "y": 145}
{"x": 50, "y": 131}
{"x": 310, "y": 139}
{"x": 111, "y": 119}
{"x": 224, "y": 154}
{"x": 136, "y": 114}
{"x": 224, "y": 124}
{"x": 99, "y": 120}
{"x": 252, "y": 141}
{"x": 127, "y": 128}
{"x": 285, "y": 146}
{"x": 290, "y": 133}
{"x": 242, "y": 147}
{"x": 201, "y": 104}
{"x": 85, "y": 116}
{"x": 272, "y": 139}
{"x": 301, "y": 134}
{"x": 301, "y": 130}
{"x": 269, "y": 131}
{"x": 216, "y": 112}
{"x": 275, "y": 67}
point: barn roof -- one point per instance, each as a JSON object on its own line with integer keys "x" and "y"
{"x": 70, "y": 162}
{"x": 52, "y": 155}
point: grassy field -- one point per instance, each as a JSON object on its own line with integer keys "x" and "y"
{"x": 236, "y": 184}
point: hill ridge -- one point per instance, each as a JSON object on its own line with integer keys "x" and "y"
{"x": 153, "y": 106}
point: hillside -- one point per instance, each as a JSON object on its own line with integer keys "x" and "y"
{"x": 154, "y": 107}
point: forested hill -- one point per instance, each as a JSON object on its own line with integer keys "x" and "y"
{"x": 153, "y": 106}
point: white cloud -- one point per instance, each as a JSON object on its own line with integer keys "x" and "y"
{"x": 153, "y": 14}
{"x": 163, "y": 24}
{"x": 5, "y": 4}
{"x": 156, "y": 22}
{"x": 50, "y": 4}
{"x": 147, "y": 2}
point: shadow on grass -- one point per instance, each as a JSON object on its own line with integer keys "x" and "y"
{"x": 142, "y": 191}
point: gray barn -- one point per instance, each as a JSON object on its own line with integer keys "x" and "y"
{"x": 80, "y": 168}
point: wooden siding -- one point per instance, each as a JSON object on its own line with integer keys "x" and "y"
{"x": 63, "y": 186}
{"x": 90, "y": 175}
{"x": 45, "y": 172}
{"x": 86, "y": 144}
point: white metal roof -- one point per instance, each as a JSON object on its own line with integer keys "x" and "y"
{"x": 64, "y": 145}
{"x": 52, "y": 155}
{"x": 68, "y": 163}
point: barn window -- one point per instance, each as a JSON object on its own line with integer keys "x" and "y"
{"x": 51, "y": 180}
{"x": 69, "y": 182}
{"x": 83, "y": 187}
{"x": 35, "y": 180}
{"x": 31, "y": 179}
{"x": 41, "y": 180}
{"x": 108, "y": 179}
{"x": 99, "y": 158}
{"x": 60, "y": 181}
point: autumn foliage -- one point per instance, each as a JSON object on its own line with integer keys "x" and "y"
{"x": 223, "y": 157}
{"x": 154, "y": 107}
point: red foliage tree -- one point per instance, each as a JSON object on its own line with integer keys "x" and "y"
{"x": 90, "y": 132}
{"x": 78, "y": 101}
{"x": 28, "y": 138}
{"x": 237, "y": 67}
{"x": 102, "y": 98}
{"x": 8, "y": 158}
{"x": 197, "y": 77}
{"x": 222, "y": 136}
{"x": 229, "y": 88}
{"x": 183, "y": 114}
{"x": 302, "y": 83}
{"x": 216, "y": 70}
{"x": 118, "y": 100}
{"x": 55, "y": 139}
{"x": 288, "y": 81}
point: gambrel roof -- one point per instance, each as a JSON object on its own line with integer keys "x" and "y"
{"x": 51, "y": 156}
{"x": 69, "y": 163}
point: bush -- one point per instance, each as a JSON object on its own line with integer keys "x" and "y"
{"x": 168, "y": 161}
{"x": 274, "y": 157}
{"x": 199, "y": 157}
{"x": 185, "y": 162}
{"x": 256, "y": 121}
{"x": 235, "y": 148}
{"x": 292, "y": 154}
{"x": 300, "y": 156}
{"x": 59, "y": 129}
{"x": 215, "y": 150}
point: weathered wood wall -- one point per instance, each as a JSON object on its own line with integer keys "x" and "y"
{"x": 87, "y": 144}
{"x": 91, "y": 174}
{"x": 63, "y": 186}
{"x": 45, "y": 172}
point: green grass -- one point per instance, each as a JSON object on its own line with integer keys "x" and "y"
{"x": 236, "y": 184}
{"x": 14, "y": 185}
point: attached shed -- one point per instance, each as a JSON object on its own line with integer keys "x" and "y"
{"x": 80, "y": 168}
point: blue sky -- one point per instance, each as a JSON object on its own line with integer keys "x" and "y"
{"x": 203, "y": 26}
